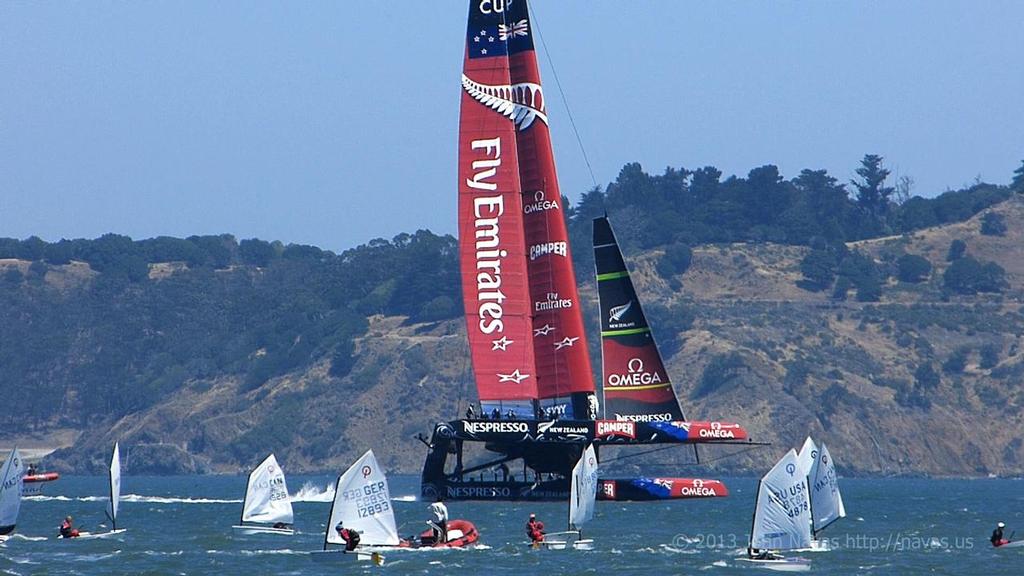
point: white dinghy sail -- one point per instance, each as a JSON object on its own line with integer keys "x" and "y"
{"x": 10, "y": 492}
{"x": 782, "y": 517}
{"x": 267, "y": 508}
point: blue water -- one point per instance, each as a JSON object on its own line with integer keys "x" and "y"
{"x": 182, "y": 525}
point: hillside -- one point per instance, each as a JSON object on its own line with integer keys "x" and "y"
{"x": 204, "y": 361}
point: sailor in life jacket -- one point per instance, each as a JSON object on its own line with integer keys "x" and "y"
{"x": 67, "y": 529}
{"x": 439, "y": 524}
{"x": 535, "y": 529}
{"x": 997, "y": 536}
{"x": 349, "y": 535}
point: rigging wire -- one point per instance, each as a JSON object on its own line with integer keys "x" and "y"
{"x": 565, "y": 100}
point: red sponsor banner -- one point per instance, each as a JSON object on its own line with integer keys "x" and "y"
{"x": 694, "y": 487}
{"x": 606, "y": 489}
{"x": 615, "y": 428}
{"x": 710, "y": 431}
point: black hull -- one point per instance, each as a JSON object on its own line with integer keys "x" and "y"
{"x": 542, "y": 454}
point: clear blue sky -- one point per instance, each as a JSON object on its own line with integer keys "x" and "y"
{"x": 332, "y": 123}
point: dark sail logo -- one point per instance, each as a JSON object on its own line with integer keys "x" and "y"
{"x": 617, "y": 313}
{"x": 521, "y": 103}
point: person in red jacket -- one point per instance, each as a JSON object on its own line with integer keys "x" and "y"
{"x": 67, "y": 529}
{"x": 350, "y": 536}
{"x": 535, "y": 529}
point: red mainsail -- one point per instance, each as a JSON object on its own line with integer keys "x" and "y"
{"x": 502, "y": 94}
{"x": 491, "y": 245}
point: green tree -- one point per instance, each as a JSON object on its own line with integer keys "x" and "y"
{"x": 1017, "y": 184}
{"x": 957, "y": 248}
{"x": 818, "y": 268}
{"x": 993, "y": 224}
{"x": 913, "y": 268}
{"x": 969, "y": 276}
{"x": 676, "y": 260}
{"x": 872, "y": 194}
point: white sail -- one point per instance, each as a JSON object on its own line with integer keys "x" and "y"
{"x": 584, "y": 489}
{"x": 362, "y": 501}
{"x": 115, "y": 485}
{"x": 826, "y": 501}
{"x": 11, "y": 479}
{"x": 266, "y": 496}
{"x": 782, "y": 515}
{"x": 807, "y": 457}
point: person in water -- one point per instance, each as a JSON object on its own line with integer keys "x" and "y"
{"x": 67, "y": 528}
{"x": 439, "y": 524}
{"x": 997, "y": 536}
{"x": 535, "y": 529}
{"x": 349, "y": 535}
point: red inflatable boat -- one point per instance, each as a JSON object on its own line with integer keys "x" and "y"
{"x": 461, "y": 533}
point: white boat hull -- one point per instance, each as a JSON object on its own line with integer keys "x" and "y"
{"x": 346, "y": 556}
{"x": 256, "y": 530}
{"x": 97, "y": 535}
{"x": 781, "y": 564}
{"x": 1014, "y": 544}
{"x": 563, "y": 541}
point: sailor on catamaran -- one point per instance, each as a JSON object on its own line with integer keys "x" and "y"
{"x": 997, "y": 536}
{"x": 535, "y": 529}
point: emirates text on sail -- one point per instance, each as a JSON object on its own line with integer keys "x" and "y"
{"x": 486, "y": 212}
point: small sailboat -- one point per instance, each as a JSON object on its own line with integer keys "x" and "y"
{"x": 581, "y": 506}
{"x": 782, "y": 518}
{"x": 10, "y": 493}
{"x": 825, "y": 498}
{"x": 362, "y": 503}
{"x": 114, "y": 484}
{"x": 267, "y": 508}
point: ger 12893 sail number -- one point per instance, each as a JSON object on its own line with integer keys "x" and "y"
{"x": 370, "y": 500}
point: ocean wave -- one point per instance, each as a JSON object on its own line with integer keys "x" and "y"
{"x": 312, "y": 493}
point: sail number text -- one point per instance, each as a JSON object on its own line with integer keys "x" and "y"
{"x": 370, "y": 500}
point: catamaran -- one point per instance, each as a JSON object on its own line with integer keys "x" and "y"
{"x": 581, "y": 506}
{"x": 362, "y": 502}
{"x": 10, "y": 493}
{"x": 267, "y": 508}
{"x": 114, "y": 485}
{"x": 531, "y": 364}
{"x": 782, "y": 517}
{"x": 825, "y": 499}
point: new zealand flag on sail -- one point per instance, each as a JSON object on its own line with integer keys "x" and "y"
{"x": 498, "y": 28}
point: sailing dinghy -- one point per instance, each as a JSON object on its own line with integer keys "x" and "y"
{"x": 581, "y": 506}
{"x": 362, "y": 502}
{"x": 114, "y": 484}
{"x": 10, "y": 493}
{"x": 825, "y": 498}
{"x": 782, "y": 518}
{"x": 267, "y": 508}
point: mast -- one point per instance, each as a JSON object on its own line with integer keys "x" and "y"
{"x": 564, "y": 377}
{"x": 330, "y": 513}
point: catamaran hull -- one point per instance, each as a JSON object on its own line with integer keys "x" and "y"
{"x": 256, "y": 530}
{"x": 550, "y": 448}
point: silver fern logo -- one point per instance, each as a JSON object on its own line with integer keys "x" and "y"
{"x": 521, "y": 103}
{"x": 617, "y": 312}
